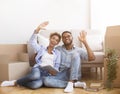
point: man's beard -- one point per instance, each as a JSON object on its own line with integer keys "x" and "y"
{"x": 67, "y": 44}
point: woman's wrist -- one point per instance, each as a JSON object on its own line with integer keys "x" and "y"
{"x": 36, "y": 31}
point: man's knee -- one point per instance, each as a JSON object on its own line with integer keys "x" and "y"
{"x": 75, "y": 56}
{"x": 75, "y": 59}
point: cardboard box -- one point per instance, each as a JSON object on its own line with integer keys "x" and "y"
{"x": 13, "y": 70}
{"x": 23, "y": 57}
{"x": 4, "y": 58}
{"x": 112, "y": 38}
{"x": 12, "y": 50}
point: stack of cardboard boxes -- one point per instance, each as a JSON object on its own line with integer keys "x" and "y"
{"x": 112, "y": 38}
{"x": 13, "y": 61}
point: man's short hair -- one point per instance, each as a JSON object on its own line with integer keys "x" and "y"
{"x": 66, "y": 32}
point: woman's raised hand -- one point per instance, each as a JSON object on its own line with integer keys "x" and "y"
{"x": 41, "y": 26}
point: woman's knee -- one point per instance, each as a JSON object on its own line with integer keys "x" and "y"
{"x": 35, "y": 85}
{"x": 35, "y": 74}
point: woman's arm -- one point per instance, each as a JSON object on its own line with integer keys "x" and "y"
{"x": 33, "y": 38}
{"x": 41, "y": 26}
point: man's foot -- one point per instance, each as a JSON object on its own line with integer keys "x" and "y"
{"x": 8, "y": 83}
{"x": 69, "y": 87}
{"x": 80, "y": 84}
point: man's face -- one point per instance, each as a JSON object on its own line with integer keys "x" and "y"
{"x": 67, "y": 38}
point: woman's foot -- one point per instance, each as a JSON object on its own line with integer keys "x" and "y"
{"x": 8, "y": 83}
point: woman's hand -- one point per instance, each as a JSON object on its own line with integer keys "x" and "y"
{"x": 41, "y": 26}
{"x": 52, "y": 72}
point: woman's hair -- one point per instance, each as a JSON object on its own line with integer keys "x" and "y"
{"x": 57, "y": 34}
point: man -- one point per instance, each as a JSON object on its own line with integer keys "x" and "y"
{"x": 71, "y": 57}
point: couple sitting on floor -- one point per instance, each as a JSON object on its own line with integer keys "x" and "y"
{"x": 66, "y": 59}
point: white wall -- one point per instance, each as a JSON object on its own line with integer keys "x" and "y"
{"x": 18, "y": 18}
{"x": 104, "y": 13}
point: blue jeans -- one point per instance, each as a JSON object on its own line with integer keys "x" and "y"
{"x": 34, "y": 79}
{"x": 61, "y": 79}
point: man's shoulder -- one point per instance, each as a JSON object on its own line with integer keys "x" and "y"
{"x": 78, "y": 49}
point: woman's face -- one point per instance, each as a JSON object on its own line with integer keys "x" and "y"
{"x": 54, "y": 40}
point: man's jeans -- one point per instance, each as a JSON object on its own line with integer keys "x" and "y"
{"x": 34, "y": 79}
{"x": 62, "y": 78}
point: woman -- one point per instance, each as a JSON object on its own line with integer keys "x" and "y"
{"x": 45, "y": 56}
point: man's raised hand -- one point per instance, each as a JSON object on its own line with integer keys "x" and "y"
{"x": 82, "y": 36}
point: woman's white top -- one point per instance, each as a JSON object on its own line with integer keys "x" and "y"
{"x": 47, "y": 59}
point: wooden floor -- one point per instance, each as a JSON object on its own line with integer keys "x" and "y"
{"x": 16, "y": 90}
{"x": 88, "y": 79}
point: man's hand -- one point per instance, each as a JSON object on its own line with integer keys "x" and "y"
{"x": 41, "y": 26}
{"x": 82, "y": 36}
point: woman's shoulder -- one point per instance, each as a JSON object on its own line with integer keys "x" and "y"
{"x": 41, "y": 48}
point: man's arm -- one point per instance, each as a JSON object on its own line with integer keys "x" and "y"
{"x": 82, "y": 38}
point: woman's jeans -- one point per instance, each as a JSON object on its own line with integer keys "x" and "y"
{"x": 34, "y": 79}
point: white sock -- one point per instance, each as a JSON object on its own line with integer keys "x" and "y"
{"x": 8, "y": 83}
{"x": 80, "y": 84}
{"x": 69, "y": 87}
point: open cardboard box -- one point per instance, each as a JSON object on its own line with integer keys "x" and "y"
{"x": 112, "y": 38}
{"x": 13, "y": 70}
{"x": 14, "y": 62}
